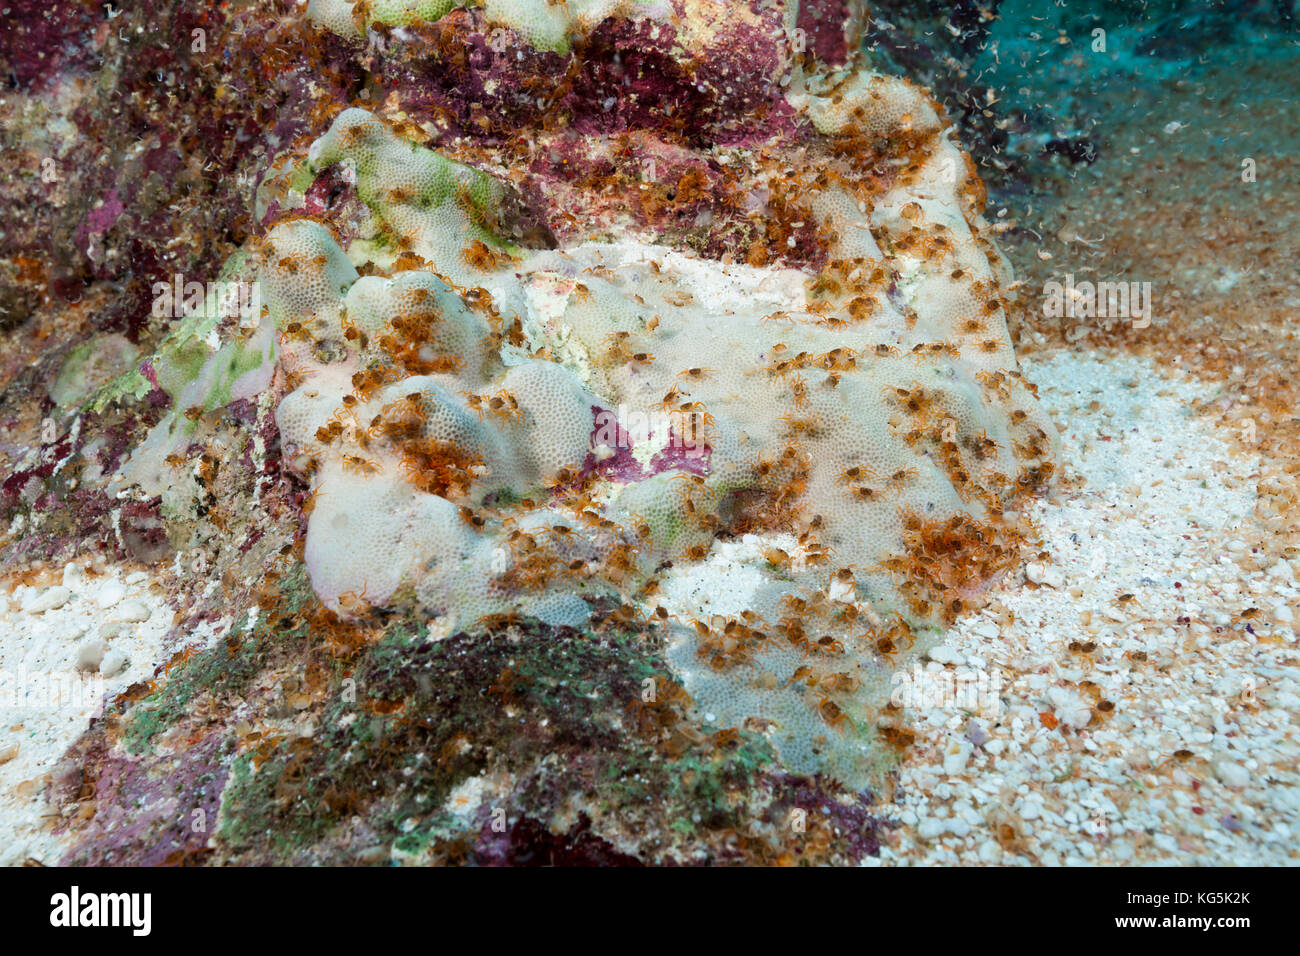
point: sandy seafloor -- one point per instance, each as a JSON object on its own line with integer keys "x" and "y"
{"x": 1195, "y": 759}
{"x": 1194, "y": 762}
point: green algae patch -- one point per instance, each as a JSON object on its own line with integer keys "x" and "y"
{"x": 418, "y": 717}
{"x": 699, "y": 789}
{"x": 190, "y": 349}
{"x": 228, "y": 668}
{"x": 407, "y": 13}
{"x": 91, "y": 367}
{"x": 429, "y": 714}
{"x": 231, "y": 363}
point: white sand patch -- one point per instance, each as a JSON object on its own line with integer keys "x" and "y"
{"x": 725, "y": 582}
{"x": 113, "y": 626}
{"x": 1196, "y": 761}
{"x": 716, "y": 288}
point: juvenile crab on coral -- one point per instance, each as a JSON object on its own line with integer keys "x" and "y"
{"x": 749, "y": 240}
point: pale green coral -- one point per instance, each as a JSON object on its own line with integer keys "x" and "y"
{"x": 102, "y": 364}
{"x": 425, "y": 203}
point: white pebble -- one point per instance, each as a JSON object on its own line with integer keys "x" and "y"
{"x": 1049, "y": 575}
{"x": 110, "y": 594}
{"x": 944, "y": 655}
{"x": 956, "y": 755}
{"x": 132, "y": 611}
{"x": 90, "y": 654}
{"x": 113, "y": 664}
{"x": 47, "y": 600}
{"x": 1069, "y": 707}
{"x": 930, "y": 828}
{"x": 1232, "y": 774}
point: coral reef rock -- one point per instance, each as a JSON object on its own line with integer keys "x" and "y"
{"x": 675, "y": 314}
{"x": 626, "y": 296}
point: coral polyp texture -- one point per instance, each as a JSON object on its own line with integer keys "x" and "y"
{"x": 574, "y": 333}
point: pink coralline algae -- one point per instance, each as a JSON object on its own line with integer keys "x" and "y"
{"x": 677, "y": 454}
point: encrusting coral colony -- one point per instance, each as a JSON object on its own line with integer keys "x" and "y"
{"x": 566, "y": 304}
